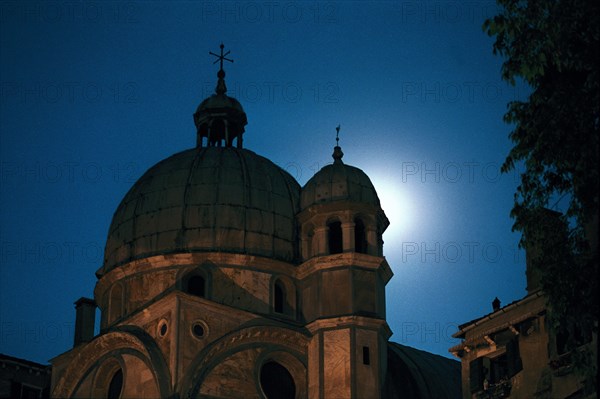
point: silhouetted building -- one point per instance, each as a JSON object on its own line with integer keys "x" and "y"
{"x": 223, "y": 278}
{"x": 513, "y": 353}
{"x": 23, "y": 379}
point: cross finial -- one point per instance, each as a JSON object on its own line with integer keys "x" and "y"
{"x": 337, "y": 151}
{"x": 221, "y": 57}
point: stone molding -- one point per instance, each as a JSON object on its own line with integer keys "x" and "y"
{"x": 349, "y": 259}
{"x": 92, "y": 354}
{"x": 350, "y": 321}
{"x": 278, "y": 338}
{"x": 181, "y": 260}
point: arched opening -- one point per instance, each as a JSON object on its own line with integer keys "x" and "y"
{"x": 116, "y": 385}
{"x": 335, "y": 237}
{"x": 196, "y": 285}
{"x": 279, "y": 297}
{"x": 277, "y": 382}
{"x": 360, "y": 236}
{"x": 217, "y": 133}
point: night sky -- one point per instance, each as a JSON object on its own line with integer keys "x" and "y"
{"x": 93, "y": 94}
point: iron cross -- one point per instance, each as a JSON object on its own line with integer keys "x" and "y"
{"x": 221, "y": 57}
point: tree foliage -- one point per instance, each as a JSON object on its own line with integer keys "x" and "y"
{"x": 553, "y": 46}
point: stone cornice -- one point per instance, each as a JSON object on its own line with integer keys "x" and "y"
{"x": 340, "y": 206}
{"x": 349, "y": 259}
{"x": 350, "y": 321}
{"x": 262, "y": 335}
{"x": 174, "y": 261}
{"x": 513, "y": 313}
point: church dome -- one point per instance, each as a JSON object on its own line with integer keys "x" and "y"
{"x": 207, "y": 199}
{"x": 339, "y": 182}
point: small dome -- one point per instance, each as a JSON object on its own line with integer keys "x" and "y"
{"x": 339, "y": 182}
{"x": 207, "y": 199}
{"x": 220, "y": 119}
{"x": 220, "y": 102}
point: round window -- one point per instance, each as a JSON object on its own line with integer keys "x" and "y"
{"x": 199, "y": 329}
{"x": 163, "y": 328}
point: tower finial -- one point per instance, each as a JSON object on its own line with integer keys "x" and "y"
{"x": 220, "y": 119}
{"x": 221, "y": 88}
{"x": 337, "y": 150}
{"x": 221, "y": 57}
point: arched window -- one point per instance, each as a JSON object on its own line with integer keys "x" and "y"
{"x": 196, "y": 285}
{"x": 276, "y": 381}
{"x": 116, "y": 385}
{"x": 335, "y": 237}
{"x": 217, "y": 133}
{"x": 279, "y": 297}
{"x": 360, "y": 237}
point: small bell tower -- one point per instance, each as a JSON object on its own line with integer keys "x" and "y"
{"x": 343, "y": 282}
{"x": 220, "y": 119}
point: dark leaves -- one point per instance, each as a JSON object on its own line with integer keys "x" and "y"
{"x": 554, "y": 47}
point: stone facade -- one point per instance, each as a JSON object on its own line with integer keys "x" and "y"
{"x": 21, "y": 378}
{"x": 513, "y": 353}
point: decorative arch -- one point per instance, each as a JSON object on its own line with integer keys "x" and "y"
{"x": 275, "y": 339}
{"x": 95, "y": 361}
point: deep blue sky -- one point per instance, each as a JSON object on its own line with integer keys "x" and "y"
{"x": 93, "y": 94}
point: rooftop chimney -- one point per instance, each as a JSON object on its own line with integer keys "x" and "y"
{"x": 85, "y": 318}
{"x": 496, "y": 304}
